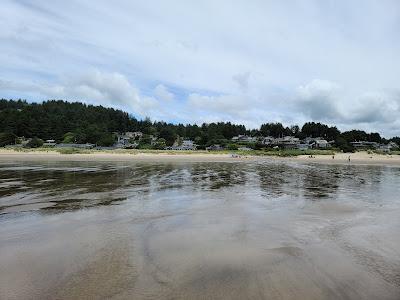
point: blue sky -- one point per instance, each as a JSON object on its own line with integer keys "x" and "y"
{"x": 246, "y": 62}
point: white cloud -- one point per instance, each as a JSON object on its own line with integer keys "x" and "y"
{"x": 242, "y": 79}
{"x": 109, "y": 89}
{"x": 162, "y": 93}
{"x": 319, "y": 99}
{"x": 323, "y": 100}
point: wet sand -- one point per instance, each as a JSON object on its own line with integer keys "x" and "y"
{"x": 252, "y": 230}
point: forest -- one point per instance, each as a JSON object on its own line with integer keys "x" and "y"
{"x": 81, "y": 123}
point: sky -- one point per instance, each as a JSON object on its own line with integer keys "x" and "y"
{"x": 247, "y": 62}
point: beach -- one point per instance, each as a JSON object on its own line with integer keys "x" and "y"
{"x": 357, "y": 158}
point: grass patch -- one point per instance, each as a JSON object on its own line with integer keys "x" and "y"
{"x": 296, "y": 152}
{"x": 73, "y": 151}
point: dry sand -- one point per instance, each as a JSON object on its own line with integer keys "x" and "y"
{"x": 358, "y": 158}
{"x": 12, "y": 155}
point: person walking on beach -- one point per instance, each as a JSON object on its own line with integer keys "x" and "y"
{"x": 349, "y": 158}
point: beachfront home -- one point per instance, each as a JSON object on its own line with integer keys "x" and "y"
{"x": 384, "y": 148}
{"x": 153, "y": 139}
{"x": 185, "y": 145}
{"x": 22, "y": 141}
{"x": 389, "y": 147}
{"x": 393, "y": 146}
{"x": 215, "y": 147}
{"x": 49, "y": 143}
{"x": 363, "y": 145}
{"x": 287, "y": 142}
{"x": 126, "y": 140}
{"x": 244, "y": 139}
{"x": 122, "y": 141}
{"x": 268, "y": 141}
{"x": 137, "y": 135}
{"x": 321, "y": 144}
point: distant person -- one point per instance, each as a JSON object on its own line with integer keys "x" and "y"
{"x": 333, "y": 156}
{"x": 349, "y": 158}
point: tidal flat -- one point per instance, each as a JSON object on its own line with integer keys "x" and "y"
{"x": 257, "y": 229}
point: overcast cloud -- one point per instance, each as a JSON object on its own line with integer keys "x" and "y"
{"x": 199, "y": 61}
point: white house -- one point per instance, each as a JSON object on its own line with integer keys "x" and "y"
{"x": 365, "y": 145}
{"x": 268, "y": 140}
{"x": 393, "y": 145}
{"x": 133, "y": 135}
{"x": 124, "y": 140}
{"x": 389, "y": 147}
{"x": 244, "y": 138}
{"x": 319, "y": 143}
{"x": 186, "y": 145}
{"x": 287, "y": 142}
{"x": 49, "y": 143}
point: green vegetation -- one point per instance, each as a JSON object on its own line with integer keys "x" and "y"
{"x": 67, "y": 122}
{"x": 7, "y": 138}
{"x": 35, "y": 143}
{"x": 281, "y": 153}
{"x": 73, "y": 151}
{"x": 296, "y": 152}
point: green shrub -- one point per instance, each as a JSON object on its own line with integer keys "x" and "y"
{"x": 232, "y": 147}
{"x": 7, "y": 138}
{"x": 34, "y": 143}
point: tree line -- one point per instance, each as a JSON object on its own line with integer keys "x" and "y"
{"x": 81, "y": 123}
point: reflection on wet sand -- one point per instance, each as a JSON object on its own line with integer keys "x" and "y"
{"x": 248, "y": 230}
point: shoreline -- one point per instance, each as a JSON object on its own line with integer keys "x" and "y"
{"x": 358, "y": 158}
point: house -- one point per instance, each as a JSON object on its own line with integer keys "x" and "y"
{"x": 268, "y": 141}
{"x": 244, "y": 139}
{"x": 384, "y": 148}
{"x": 389, "y": 147}
{"x": 153, "y": 139}
{"x": 360, "y": 145}
{"x": 133, "y": 135}
{"x": 49, "y": 143}
{"x": 287, "y": 142}
{"x": 215, "y": 147}
{"x": 124, "y": 140}
{"x": 23, "y": 141}
{"x": 188, "y": 145}
{"x": 393, "y": 145}
{"x": 321, "y": 144}
{"x": 185, "y": 145}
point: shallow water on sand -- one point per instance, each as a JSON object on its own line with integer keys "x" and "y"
{"x": 233, "y": 230}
